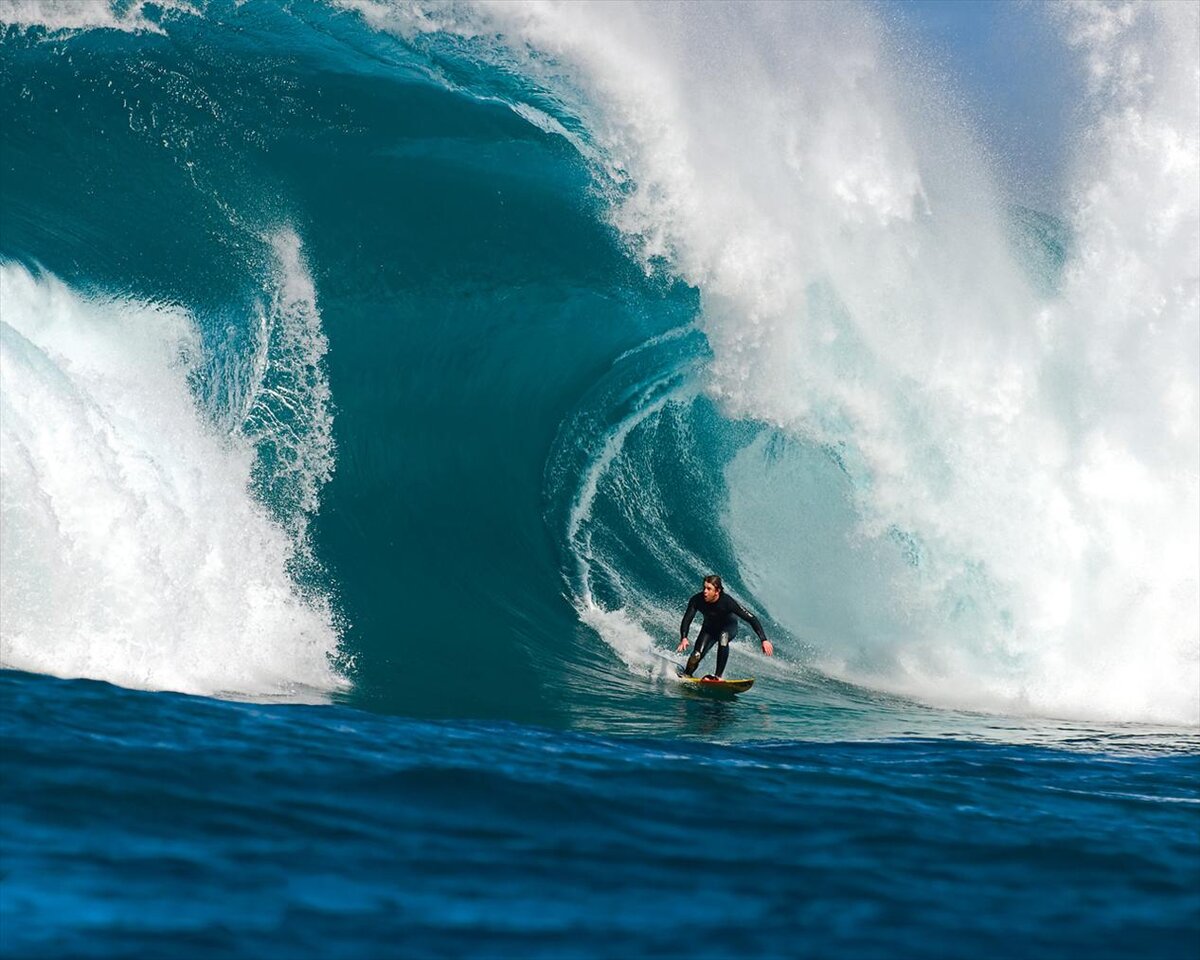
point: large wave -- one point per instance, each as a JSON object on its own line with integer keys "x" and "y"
{"x": 1013, "y": 517}
{"x": 946, "y": 444}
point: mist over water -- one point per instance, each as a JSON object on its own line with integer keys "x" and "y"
{"x": 755, "y": 300}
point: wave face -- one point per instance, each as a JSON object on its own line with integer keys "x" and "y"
{"x": 427, "y": 355}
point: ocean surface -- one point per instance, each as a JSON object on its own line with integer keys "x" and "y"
{"x": 378, "y": 379}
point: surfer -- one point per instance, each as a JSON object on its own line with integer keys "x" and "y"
{"x": 718, "y": 610}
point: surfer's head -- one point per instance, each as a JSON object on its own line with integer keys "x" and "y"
{"x": 712, "y": 587}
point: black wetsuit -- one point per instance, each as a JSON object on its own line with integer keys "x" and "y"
{"x": 719, "y": 627}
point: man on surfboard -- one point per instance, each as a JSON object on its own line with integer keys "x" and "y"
{"x": 718, "y": 610}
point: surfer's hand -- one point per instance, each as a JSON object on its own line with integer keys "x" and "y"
{"x": 768, "y": 649}
{"x": 683, "y": 645}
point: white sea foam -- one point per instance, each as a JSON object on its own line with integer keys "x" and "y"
{"x": 133, "y": 547}
{"x": 72, "y": 15}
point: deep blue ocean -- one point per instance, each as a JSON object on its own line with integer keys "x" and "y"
{"x": 379, "y": 379}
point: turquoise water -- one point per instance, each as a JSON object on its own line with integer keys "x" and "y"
{"x": 378, "y": 383}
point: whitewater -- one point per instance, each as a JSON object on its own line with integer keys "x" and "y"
{"x": 378, "y": 379}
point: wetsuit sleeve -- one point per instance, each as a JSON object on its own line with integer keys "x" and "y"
{"x": 688, "y": 615}
{"x": 749, "y": 618}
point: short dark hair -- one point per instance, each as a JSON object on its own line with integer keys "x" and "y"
{"x": 715, "y": 581}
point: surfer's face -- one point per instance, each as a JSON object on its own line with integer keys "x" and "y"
{"x": 710, "y": 593}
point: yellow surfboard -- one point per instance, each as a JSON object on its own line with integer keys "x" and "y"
{"x": 704, "y": 685}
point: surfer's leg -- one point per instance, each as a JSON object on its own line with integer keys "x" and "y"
{"x": 704, "y": 640}
{"x": 723, "y": 649}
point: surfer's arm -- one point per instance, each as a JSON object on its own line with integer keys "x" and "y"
{"x": 688, "y": 616}
{"x": 751, "y": 619}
